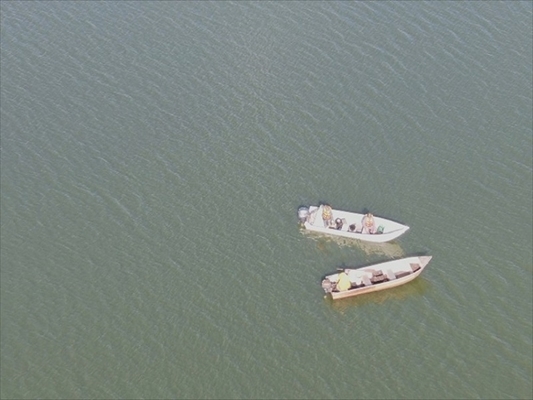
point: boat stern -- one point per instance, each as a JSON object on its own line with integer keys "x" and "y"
{"x": 303, "y": 214}
{"x": 327, "y": 285}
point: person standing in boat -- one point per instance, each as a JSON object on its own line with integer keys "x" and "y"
{"x": 327, "y": 215}
{"x": 369, "y": 225}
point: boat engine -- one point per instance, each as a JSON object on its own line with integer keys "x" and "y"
{"x": 327, "y": 285}
{"x": 303, "y": 213}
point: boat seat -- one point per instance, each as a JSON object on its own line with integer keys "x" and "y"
{"x": 366, "y": 281}
{"x": 415, "y": 267}
{"x": 390, "y": 275}
{"x": 377, "y": 276}
{"x": 402, "y": 274}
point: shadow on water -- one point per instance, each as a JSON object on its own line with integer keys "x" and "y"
{"x": 416, "y": 288}
{"x": 389, "y": 249}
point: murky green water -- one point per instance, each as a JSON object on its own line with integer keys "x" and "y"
{"x": 153, "y": 157}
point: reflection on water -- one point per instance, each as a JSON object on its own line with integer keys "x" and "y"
{"x": 390, "y": 249}
{"x": 415, "y": 288}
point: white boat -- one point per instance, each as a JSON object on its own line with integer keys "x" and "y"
{"x": 349, "y": 224}
{"x": 348, "y": 282}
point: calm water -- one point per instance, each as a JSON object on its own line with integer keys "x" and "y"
{"x": 153, "y": 157}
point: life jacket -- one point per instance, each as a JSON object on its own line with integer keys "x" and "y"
{"x": 326, "y": 213}
{"x": 343, "y": 283}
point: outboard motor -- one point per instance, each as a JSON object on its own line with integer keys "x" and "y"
{"x": 303, "y": 213}
{"x": 327, "y": 285}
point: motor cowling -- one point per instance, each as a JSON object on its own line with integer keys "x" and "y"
{"x": 303, "y": 213}
{"x": 327, "y": 285}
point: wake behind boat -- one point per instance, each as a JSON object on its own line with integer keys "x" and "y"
{"x": 355, "y": 281}
{"x": 348, "y": 224}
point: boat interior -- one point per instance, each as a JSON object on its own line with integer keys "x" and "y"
{"x": 350, "y": 279}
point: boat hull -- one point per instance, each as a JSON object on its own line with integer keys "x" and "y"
{"x": 390, "y": 229}
{"x": 375, "y": 277}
